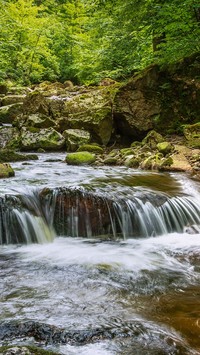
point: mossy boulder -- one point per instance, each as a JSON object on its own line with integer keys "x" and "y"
{"x": 92, "y": 111}
{"x": 75, "y": 138}
{"x": 80, "y": 158}
{"x": 48, "y": 139}
{"x": 9, "y": 137}
{"x": 192, "y": 135}
{"x": 165, "y": 147}
{"x": 90, "y": 148}
{"x": 7, "y": 155}
{"x": 152, "y": 139}
{"x": 10, "y": 112}
{"x": 35, "y": 102}
{"x": 39, "y": 120}
{"x": 6, "y": 170}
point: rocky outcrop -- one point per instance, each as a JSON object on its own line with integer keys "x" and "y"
{"x": 158, "y": 98}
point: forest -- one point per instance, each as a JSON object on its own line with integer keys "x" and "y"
{"x": 87, "y": 40}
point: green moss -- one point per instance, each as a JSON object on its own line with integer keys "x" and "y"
{"x": 80, "y": 158}
{"x": 6, "y": 171}
{"x": 90, "y": 148}
{"x": 7, "y": 155}
{"x": 164, "y": 147}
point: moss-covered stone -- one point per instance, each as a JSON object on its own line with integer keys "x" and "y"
{"x": 9, "y": 137}
{"x": 165, "y": 147}
{"x": 7, "y": 155}
{"x": 75, "y": 138}
{"x": 126, "y": 151}
{"x": 110, "y": 161}
{"x": 152, "y": 139}
{"x": 8, "y": 113}
{"x": 80, "y": 158}
{"x": 132, "y": 162}
{"x": 192, "y": 134}
{"x": 6, "y": 170}
{"x": 48, "y": 139}
{"x": 90, "y": 148}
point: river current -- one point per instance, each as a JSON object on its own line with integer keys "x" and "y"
{"x": 145, "y": 291}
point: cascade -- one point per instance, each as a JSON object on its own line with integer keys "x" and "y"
{"x": 40, "y": 215}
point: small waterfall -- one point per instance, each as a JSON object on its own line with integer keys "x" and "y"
{"x": 89, "y": 214}
{"x": 23, "y": 219}
{"x": 38, "y": 215}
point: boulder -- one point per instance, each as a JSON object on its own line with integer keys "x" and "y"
{"x": 91, "y": 111}
{"x": 39, "y": 120}
{"x": 152, "y": 139}
{"x": 92, "y": 148}
{"x": 9, "y": 137}
{"x": 165, "y": 147}
{"x": 10, "y": 112}
{"x": 75, "y": 138}
{"x": 160, "y": 98}
{"x": 80, "y": 158}
{"x": 6, "y": 171}
{"x": 35, "y": 102}
{"x": 48, "y": 139}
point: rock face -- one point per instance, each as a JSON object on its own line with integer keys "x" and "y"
{"x": 161, "y": 99}
{"x": 90, "y": 111}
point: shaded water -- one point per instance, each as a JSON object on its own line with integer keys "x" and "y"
{"x": 143, "y": 291}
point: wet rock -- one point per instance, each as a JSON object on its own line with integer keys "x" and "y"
{"x": 75, "y": 138}
{"x": 48, "y": 139}
{"x": 7, "y": 155}
{"x": 80, "y": 158}
{"x": 6, "y": 170}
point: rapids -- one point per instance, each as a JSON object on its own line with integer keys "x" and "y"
{"x": 135, "y": 293}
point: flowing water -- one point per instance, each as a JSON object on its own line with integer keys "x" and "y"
{"x": 109, "y": 252}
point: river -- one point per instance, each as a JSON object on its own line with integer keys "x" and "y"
{"x": 143, "y": 292}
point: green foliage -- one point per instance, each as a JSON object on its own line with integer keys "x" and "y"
{"x": 87, "y": 40}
